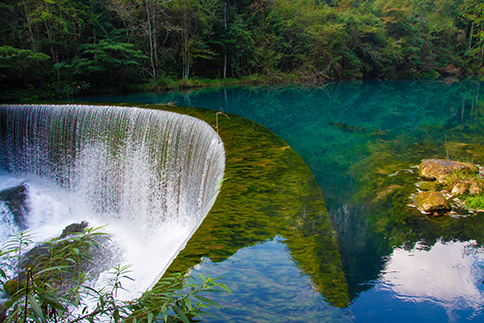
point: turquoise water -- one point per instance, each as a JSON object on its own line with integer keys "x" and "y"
{"x": 399, "y": 266}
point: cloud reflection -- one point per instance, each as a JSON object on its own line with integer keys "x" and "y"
{"x": 448, "y": 274}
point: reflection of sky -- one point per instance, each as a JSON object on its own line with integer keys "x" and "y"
{"x": 266, "y": 286}
{"x": 448, "y": 275}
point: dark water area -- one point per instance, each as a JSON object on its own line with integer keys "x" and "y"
{"x": 362, "y": 141}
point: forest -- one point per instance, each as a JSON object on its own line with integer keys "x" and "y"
{"x": 62, "y": 48}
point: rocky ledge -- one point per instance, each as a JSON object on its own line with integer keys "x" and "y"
{"x": 448, "y": 187}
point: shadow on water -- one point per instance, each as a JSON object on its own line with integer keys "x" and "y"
{"x": 361, "y": 141}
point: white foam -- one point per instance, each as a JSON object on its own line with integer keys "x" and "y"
{"x": 150, "y": 175}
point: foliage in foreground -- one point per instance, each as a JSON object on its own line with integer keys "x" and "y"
{"x": 53, "y": 285}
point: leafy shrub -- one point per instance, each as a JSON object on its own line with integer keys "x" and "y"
{"x": 51, "y": 284}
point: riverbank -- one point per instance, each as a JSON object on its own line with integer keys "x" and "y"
{"x": 73, "y": 89}
{"x": 68, "y": 90}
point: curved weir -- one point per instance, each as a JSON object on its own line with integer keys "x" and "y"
{"x": 151, "y": 175}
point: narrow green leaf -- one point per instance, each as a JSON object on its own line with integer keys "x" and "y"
{"x": 36, "y": 308}
{"x": 164, "y": 312}
{"x": 225, "y": 287}
{"x": 50, "y": 298}
{"x": 51, "y": 269}
{"x": 188, "y": 303}
{"x": 180, "y": 313}
{"x": 209, "y": 301}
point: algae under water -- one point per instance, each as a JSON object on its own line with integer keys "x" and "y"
{"x": 361, "y": 141}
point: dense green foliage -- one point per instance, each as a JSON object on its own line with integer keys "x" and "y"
{"x": 65, "y": 47}
{"x": 53, "y": 283}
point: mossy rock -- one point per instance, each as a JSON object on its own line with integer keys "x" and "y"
{"x": 431, "y": 201}
{"x": 476, "y": 188}
{"x": 440, "y": 169}
{"x": 467, "y": 186}
{"x": 429, "y": 186}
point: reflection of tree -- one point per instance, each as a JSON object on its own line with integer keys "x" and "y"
{"x": 354, "y": 168}
{"x": 351, "y": 168}
{"x": 269, "y": 191}
{"x": 359, "y": 249}
{"x": 384, "y": 180}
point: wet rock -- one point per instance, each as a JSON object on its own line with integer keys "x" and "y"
{"x": 471, "y": 186}
{"x": 475, "y": 189}
{"x": 15, "y": 199}
{"x": 74, "y": 228}
{"x": 98, "y": 260}
{"x": 431, "y": 202}
{"x": 34, "y": 256}
{"x": 37, "y": 254}
{"x": 428, "y": 186}
{"x": 439, "y": 169}
{"x": 3, "y": 313}
{"x": 460, "y": 188}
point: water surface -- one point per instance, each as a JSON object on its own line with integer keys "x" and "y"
{"x": 362, "y": 140}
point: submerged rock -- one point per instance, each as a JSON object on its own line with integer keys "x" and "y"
{"x": 431, "y": 201}
{"x": 357, "y": 129}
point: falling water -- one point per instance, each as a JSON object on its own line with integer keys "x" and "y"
{"x": 150, "y": 175}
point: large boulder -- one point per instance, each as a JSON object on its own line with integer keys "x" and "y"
{"x": 440, "y": 169}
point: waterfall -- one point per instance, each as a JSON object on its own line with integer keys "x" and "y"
{"x": 150, "y": 175}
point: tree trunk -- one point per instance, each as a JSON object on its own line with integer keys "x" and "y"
{"x": 471, "y": 35}
{"x": 186, "y": 56}
{"x": 186, "y": 50}
{"x": 151, "y": 40}
{"x": 29, "y": 27}
{"x": 225, "y": 27}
